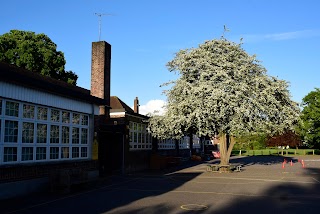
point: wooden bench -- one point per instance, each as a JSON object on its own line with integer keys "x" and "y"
{"x": 228, "y": 167}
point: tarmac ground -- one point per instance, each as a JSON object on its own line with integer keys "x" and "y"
{"x": 265, "y": 184}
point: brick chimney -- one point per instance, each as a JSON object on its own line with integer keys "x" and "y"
{"x": 136, "y": 105}
{"x": 100, "y": 72}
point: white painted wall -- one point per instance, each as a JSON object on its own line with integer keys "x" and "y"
{"x": 20, "y": 93}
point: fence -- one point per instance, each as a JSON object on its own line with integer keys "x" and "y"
{"x": 276, "y": 152}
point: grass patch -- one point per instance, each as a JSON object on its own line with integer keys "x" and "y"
{"x": 257, "y": 152}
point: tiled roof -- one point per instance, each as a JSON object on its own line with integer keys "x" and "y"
{"x": 117, "y": 104}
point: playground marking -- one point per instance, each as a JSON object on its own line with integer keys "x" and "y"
{"x": 316, "y": 180}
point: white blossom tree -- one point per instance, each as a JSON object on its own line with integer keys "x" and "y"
{"x": 222, "y": 89}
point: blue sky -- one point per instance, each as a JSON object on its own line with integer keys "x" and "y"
{"x": 145, "y": 34}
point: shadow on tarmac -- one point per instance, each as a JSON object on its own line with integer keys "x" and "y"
{"x": 116, "y": 192}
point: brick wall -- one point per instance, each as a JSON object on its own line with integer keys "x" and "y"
{"x": 100, "y": 70}
{"x": 23, "y": 172}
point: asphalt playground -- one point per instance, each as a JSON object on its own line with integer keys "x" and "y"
{"x": 266, "y": 184}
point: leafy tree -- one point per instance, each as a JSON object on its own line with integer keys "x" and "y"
{"x": 35, "y": 52}
{"x": 251, "y": 141}
{"x": 310, "y": 118}
{"x": 288, "y": 138}
{"x": 222, "y": 89}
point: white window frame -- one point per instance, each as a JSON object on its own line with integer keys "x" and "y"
{"x": 35, "y": 121}
{"x": 139, "y": 137}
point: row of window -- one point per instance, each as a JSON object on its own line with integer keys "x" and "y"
{"x": 37, "y": 133}
{"x": 170, "y": 143}
{"x": 24, "y": 154}
{"x": 33, "y": 112}
{"x": 41, "y": 133}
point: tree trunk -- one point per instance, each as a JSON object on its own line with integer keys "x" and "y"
{"x": 226, "y": 147}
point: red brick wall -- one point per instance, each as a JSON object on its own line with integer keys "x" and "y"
{"x": 100, "y": 70}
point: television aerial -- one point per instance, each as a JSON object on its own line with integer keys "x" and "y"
{"x": 100, "y": 15}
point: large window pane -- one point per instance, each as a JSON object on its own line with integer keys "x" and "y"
{"x": 42, "y": 113}
{"x": 54, "y": 134}
{"x": 75, "y": 152}
{"x": 28, "y": 111}
{"x": 65, "y": 134}
{"x": 65, "y": 117}
{"x": 75, "y": 135}
{"x": 76, "y": 118}
{"x": 41, "y": 153}
{"x": 84, "y": 120}
{"x": 84, "y": 152}
{"x": 10, "y": 154}
{"x": 55, "y": 115}
{"x": 41, "y": 133}
{"x": 65, "y": 152}
{"x": 11, "y": 131}
{"x": 84, "y": 136}
{"x": 12, "y": 109}
{"x": 27, "y": 153}
{"x": 54, "y": 152}
{"x": 27, "y": 132}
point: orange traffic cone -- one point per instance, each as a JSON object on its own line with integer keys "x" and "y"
{"x": 291, "y": 164}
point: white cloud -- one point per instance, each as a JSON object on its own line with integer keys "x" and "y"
{"x": 152, "y": 106}
{"x": 281, "y": 36}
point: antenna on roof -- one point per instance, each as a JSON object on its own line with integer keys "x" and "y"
{"x": 100, "y": 15}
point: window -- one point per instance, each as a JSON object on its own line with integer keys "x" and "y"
{"x": 75, "y": 135}
{"x": 55, "y": 115}
{"x": 41, "y": 153}
{"x": 36, "y": 133}
{"x": 65, "y": 134}
{"x": 12, "y": 109}
{"x": 28, "y": 111}
{"x": 27, "y": 132}
{"x": 42, "y": 113}
{"x": 27, "y": 154}
{"x": 11, "y": 131}
{"x": 84, "y": 152}
{"x": 41, "y": 133}
{"x": 54, "y": 153}
{"x": 76, "y": 118}
{"x": 0, "y": 106}
{"x": 10, "y": 154}
{"x": 75, "y": 152}
{"x": 84, "y": 136}
{"x": 54, "y": 134}
{"x": 84, "y": 120}
{"x": 65, "y": 117}
{"x": 139, "y": 138}
{"x": 65, "y": 152}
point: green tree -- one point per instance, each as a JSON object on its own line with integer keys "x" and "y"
{"x": 222, "y": 89}
{"x": 251, "y": 141}
{"x": 310, "y": 118}
{"x": 35, "y": 52}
